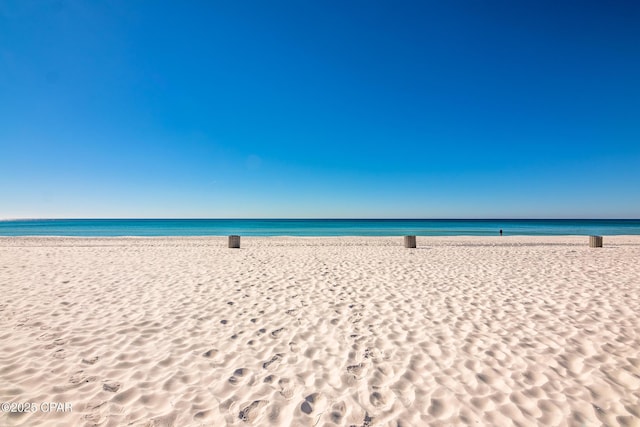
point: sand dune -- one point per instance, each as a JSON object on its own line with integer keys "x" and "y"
{"x": 321, "y": 331}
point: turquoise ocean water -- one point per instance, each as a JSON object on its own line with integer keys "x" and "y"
{"x": 317, "y": 227}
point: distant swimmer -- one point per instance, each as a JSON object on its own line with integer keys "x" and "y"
{"x": 501, "y": 231}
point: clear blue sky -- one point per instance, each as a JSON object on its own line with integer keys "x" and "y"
{"x": 426, "y": 109}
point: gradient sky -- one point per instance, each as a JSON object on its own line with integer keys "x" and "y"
{"x": 428, "y": 109}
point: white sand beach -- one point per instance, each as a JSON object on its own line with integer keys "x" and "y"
{"x": 320, "y": 331}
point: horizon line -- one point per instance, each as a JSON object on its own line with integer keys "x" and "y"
{"x": 327, "y": 218}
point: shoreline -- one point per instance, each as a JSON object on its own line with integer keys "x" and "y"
{"x": 387, "y": 241}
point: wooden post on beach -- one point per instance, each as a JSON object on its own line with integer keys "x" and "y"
{"x": 409, "y": 241}
{"x": 595, "y": 241}
{"x": 234, "y": 242}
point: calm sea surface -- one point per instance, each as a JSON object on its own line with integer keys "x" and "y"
{"x": 317, "y": 227}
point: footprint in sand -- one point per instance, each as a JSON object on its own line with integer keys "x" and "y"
{"x": 112, "y": 387}
{"x": 250, "y": 412}
{"x": 286, "y": 390}
{"x": 90, "y": 360}
{"x": 311, "y": 402}
{"x": 43, "y": 337}
{"x": 273, "y": 360}
{"x": 277, "y": 332}
{"x": 238, "y": 374}
{"x": 261, "y": 331}
{"x": 356, "y": 370}
{"x": 226, "y": 404}
{"x": 382, "y": 375}
{"x": 440, "y": 408}
{"x": 377, "y": 399}
{"x": 338, "y": 411}
{"x": 210, "y": 353}
{"x": 59, "y": 354}
{"x": 79, "y": 378}
{"x": 94, "y": 418}
{"x": 55, "y": 343}
{"x": 96, "y": 409}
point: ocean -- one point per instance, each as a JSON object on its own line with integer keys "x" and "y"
{"x": 318, "y": 227}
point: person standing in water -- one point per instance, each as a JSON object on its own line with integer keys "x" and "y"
{"x": 501, "y": 231}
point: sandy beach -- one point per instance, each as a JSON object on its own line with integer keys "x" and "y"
{"x": 320, "y": 331}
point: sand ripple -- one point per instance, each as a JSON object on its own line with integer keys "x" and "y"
{"x": 321, "y": 331}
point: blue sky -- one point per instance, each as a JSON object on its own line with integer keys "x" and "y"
{"x": 429, "y": 109}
